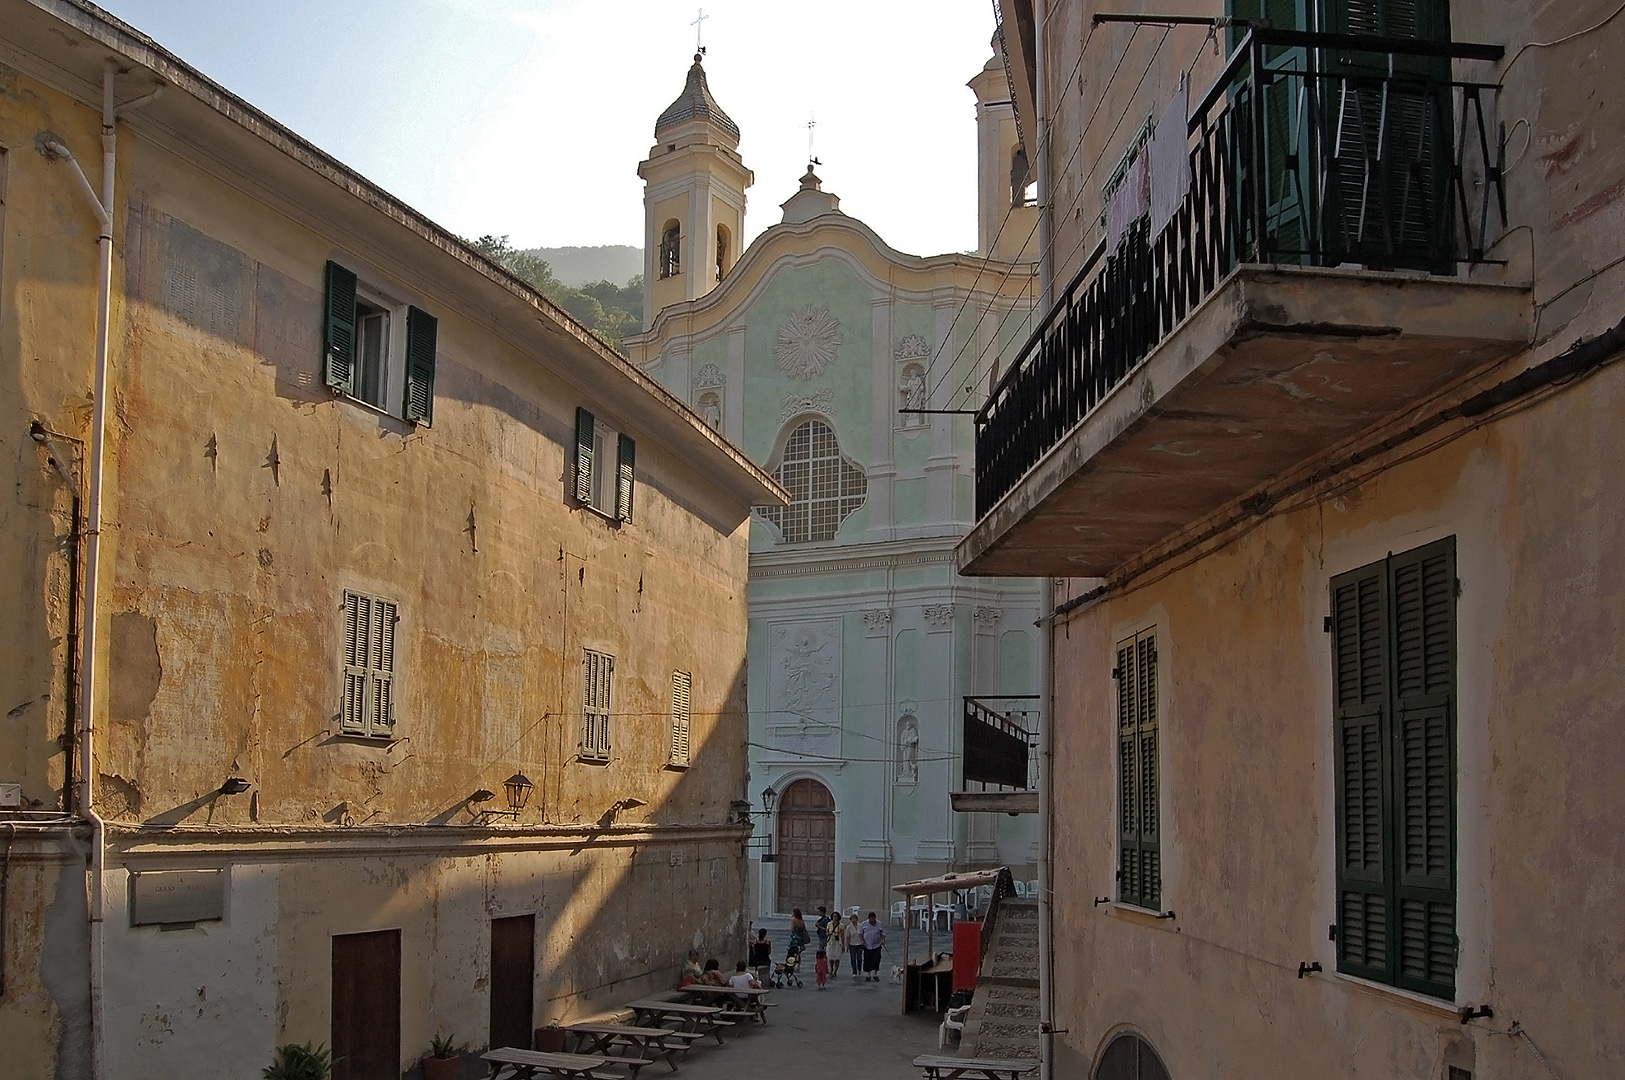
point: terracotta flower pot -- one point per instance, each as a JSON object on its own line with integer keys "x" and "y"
{"x": 440, "y": 1068}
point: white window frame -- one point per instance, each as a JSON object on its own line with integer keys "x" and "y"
{"x": 597, "y": 700}
{"x": 682, "y": 718}
{"x": 391, "y": 396}
{"x": 367, "y": 658}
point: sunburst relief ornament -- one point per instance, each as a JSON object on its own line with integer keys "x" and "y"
{"x": 807, "y": 343}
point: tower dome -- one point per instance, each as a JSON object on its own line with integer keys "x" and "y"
{"x": 696, "y": 103}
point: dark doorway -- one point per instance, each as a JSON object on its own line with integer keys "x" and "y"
{"x": 367, "y": 1006}
{"x": 1130, "y": 1057}
{"x": 806, "y": 846}
{"x": 513, "y": 980}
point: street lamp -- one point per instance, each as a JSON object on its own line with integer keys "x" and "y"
{"x": 769, "y": 797}
{"x": 518, "y": 788}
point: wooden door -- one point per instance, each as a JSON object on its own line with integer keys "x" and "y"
{"x": 367, "y": 1006}
{"x": 806, "y": 847}
{"x": 513, "y": 981}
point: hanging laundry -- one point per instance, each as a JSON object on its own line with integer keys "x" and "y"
{"x": 1170, "y": 161}
{"x": 1129, "y": 202}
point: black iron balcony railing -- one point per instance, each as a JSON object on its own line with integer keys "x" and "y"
{"x": 999, "y": 740}
{"x": 1311, "y": 150}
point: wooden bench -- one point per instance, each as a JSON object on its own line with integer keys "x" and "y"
{"x": 754, "y": 1006}
{"x": 529, "y": 1063}
{"x": 940, "y": 1067}
{"x": 704, "y": 1019}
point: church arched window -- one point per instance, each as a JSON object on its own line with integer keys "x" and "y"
{"x": 724, "y": 251}
{"x": 825, "y": 486}
{"x": 671, "y": 247}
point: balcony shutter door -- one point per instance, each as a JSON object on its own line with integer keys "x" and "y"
{"x": 1287, "y": 162}
{"x": 1139, "y": 867}
{"x": 1424, "y": 616}
{"x": 1388, "y": 195}
{"x": 584, "y": 434}
{"x": 625, "y": 467}
{"x": 338, "y": 331}
{"x": 1145, "y": 648}
{"x": 422, "y": 330}
{"x": 1360, "y": 673}
{"x": 1128, "y": 829}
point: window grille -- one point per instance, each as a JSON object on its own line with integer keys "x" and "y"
{"x": 825, "y": 488}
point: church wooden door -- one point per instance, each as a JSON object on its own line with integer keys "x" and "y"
{"x": 806, "y": 847}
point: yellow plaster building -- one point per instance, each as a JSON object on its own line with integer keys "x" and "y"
{"x": 412, "y": 618}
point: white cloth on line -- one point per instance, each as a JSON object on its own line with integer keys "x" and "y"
{"x": 1170, "y": 161}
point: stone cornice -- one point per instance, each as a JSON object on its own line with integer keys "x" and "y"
{"x": 271, "y": 843}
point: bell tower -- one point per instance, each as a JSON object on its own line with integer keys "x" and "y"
{"x": 694, "y": 185}
{"x": 1003, "y": 175}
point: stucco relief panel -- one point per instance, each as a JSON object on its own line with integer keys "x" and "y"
{"x": 804, "y": 684}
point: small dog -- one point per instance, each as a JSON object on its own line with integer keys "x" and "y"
{"x": 897, "y": 973}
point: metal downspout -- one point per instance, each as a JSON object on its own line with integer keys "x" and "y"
{"x": 1046, "y": 589}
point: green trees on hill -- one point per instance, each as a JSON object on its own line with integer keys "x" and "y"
{"x": 609, "y": 310}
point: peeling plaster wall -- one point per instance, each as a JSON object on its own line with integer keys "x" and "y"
{"x": 243, "y": 500}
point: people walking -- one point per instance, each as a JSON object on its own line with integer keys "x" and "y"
{"x": 761, "y": 957}
{"x": 798, "y": 931}
{"x": 837, "y": 944}
{"x": 854, "y": 944}
{"x": 874, "y": 939}
{"x": 822, "y": 969}
{"x": 821, "y": 927}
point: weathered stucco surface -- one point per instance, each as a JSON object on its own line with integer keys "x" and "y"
{"x": 243, "y": 499}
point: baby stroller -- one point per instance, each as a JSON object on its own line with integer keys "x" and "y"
{"x": 787, "y": 972}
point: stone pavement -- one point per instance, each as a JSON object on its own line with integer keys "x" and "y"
{"x": 853, "y": 1028}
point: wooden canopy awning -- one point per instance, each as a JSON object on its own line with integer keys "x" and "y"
{"x": 969, "y": 879}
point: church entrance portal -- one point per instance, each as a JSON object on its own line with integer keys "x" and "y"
{"x": 806, "y": 847}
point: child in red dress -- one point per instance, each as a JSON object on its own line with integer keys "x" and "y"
{"x": 822, "y": 968}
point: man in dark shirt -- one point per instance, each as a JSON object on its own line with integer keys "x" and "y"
{"x": 761, "y": 957}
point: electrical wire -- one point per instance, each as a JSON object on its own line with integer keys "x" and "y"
{"x": 1564, "y": 40}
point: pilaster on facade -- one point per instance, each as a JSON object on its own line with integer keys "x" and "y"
{"x": 874, "y": 850}
{"x": 935, "y": 851}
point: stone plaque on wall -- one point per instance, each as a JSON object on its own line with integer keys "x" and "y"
{"x": 177, "y": 896}
{"x": 804, "y": 681}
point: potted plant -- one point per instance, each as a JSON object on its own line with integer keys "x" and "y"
{"x": 441, "y": 1064}
{"x": 295, "y": 1062}
{"x": 550, "y": 1038}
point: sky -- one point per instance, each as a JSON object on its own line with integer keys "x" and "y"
{"x": 529, "y": 117}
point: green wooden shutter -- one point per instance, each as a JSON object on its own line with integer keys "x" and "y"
{"x": 1423, "y": 584}
{"x": 1360, "y": 690}
{"x": 1140, "y": 830}
{"x": 338, "y": 333}
{"x": 626, "y": 455}
{"x": 584, "y": 434}
{"x": 1128, "y": 772}
{"x": 353, "y": 711}
{"x": 422, "y": 331}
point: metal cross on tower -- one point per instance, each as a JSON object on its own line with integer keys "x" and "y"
{"x": 811, "y": 160}
{"x": 699, "y": 27}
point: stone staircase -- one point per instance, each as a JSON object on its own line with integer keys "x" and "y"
{"x": 1003, "y": 1019}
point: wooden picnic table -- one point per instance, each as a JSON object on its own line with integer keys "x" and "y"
{"x": 941, "y": 1067}
{"x": 647, "y": 1041}
{"x": 753, "y": 1005}
{"x": 704, "y": 1019}
{"x": 529, "y": 1063}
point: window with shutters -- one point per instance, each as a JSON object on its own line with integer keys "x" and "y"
{"x": 1393, "y": 628}
{"x": 597, "y": 686}
{"x": 378, "y": 350}
{"x": 682, "y": 716}
{"x": 368, "y": 708}
{"x": 825, "y": 486}
{"x": 1139, "y": 848}
{"x": 606, "y": 467}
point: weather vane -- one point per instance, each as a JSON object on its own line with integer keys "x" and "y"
{"x": 699, "y": 27}
{"x": 811, "y": 160}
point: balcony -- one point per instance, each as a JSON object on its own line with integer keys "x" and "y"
{"x": 999, "y": 769}
{"x": 1327, "y": 268}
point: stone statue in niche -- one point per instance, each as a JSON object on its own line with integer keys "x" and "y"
{"x": 911, "y": 391}
{"x": 710, "y": 408}
{"x": 908, "y": 749}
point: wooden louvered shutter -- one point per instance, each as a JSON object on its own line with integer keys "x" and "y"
{"x": 338, "y": 330}
{"x": 353, "y": 711}
{"x": 422, "y": 330}
{"x": 1139, "y": 865}
{"x": 381, "y": 712}
{"x": 585, "y": 426}
{"x": 1423, "y": 584}
{"x": 626, "y": 451}
{"x": 682, "y": 685}
{"x": 1360, "y": 691}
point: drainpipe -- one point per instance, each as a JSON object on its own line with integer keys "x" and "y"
{"x": 1046, "y": 588}
{"x": 53, "y": 148}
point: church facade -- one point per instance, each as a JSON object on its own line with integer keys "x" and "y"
{"x": 822, "y": 352}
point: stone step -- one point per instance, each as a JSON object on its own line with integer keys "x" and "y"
{"x": 1003, "y": 1021}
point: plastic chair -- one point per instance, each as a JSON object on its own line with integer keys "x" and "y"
{"x": 953, "y": 1027}
{"x": 1021, "y": 889}
{"x": 1032, "y": 889}
{"x": 899, "y": 912}
{"x": 984, "y": 897}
